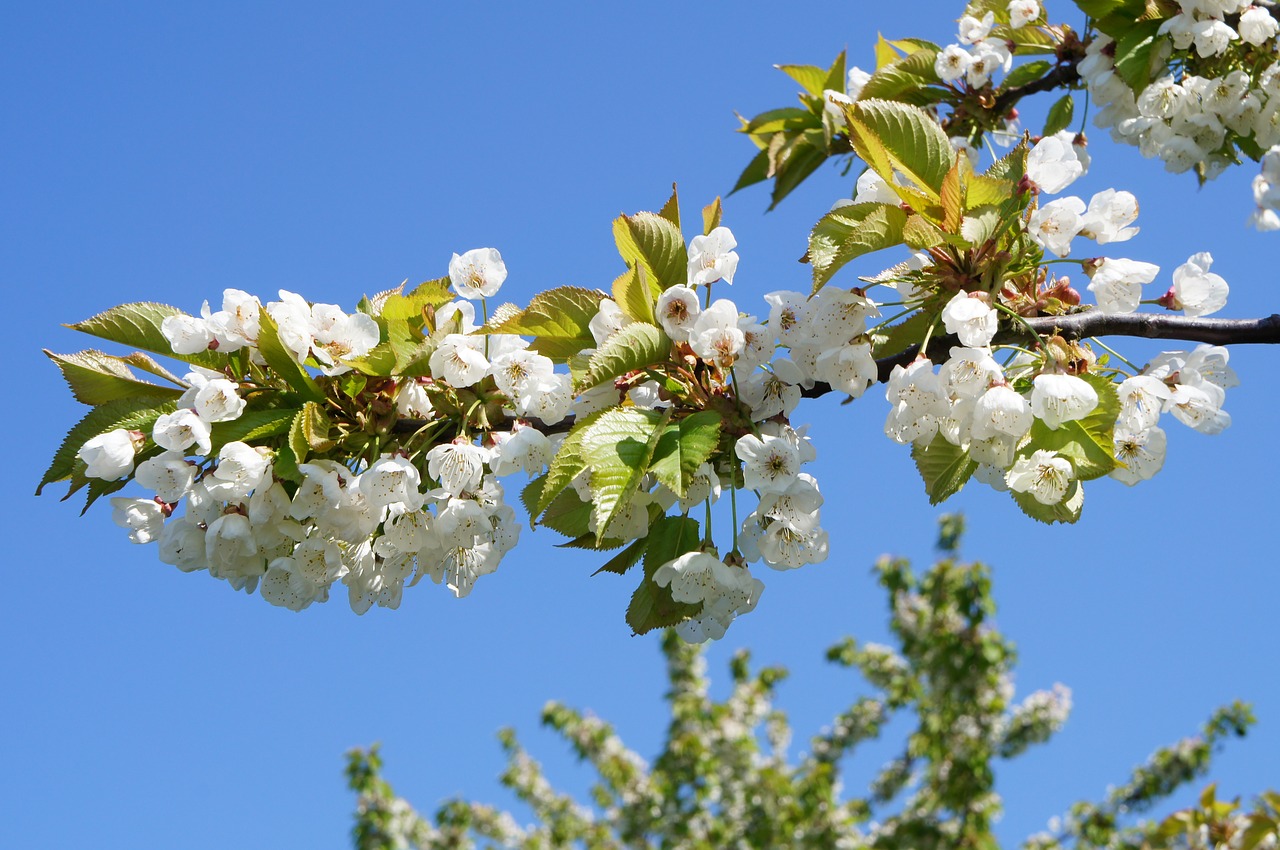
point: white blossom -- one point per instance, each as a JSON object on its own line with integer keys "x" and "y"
{"x": 677, "y": 310}
{"x": 1117, "y": 283}
{"x": 712, "y": 258}
{"x": 1044, "y": 475}
{"x": 143, "y": 517}
{"x": 971, "y": 319}
{"x": 108, "y": 456}
{"x": 478, "y": 273}
{"x": 1196, "y": 290}
{"x": 1142, "y": 453}
{"x": 1056, "y": 399}
{"x": 770, "y": 463}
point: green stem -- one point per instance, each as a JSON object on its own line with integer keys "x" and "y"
{"x": 706, "y": 535}
{"x": 1115, "y": 354}
{"x": 1019, "y": 319}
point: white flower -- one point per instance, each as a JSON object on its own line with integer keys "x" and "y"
{"x": 524, "y": 448}
{"x": 968, "y": 372}
{"x": 771, "y": 463}
{"x": 1212, "y": 37}
{"x": 1196, "y": 290}
{"x": 168, "y": 474}
{"x": 856, "y": 79}
{"x": 549, "y": 399}
{"x": 1000, "y": 410}
{"x": 952, "y": 63}
{"x": 1142, "y": 398}
{"x": 715, "y": 336}
{"x": 971, "y": 319}
{"x": 1109, "y": 215}
{"x": 218, "y": 401}
{"x": 1053, "y": 164}
{"x": 872, "y": 188}
{"x": 1044, "y": 475}
{"x": 712, "y": 257}
{"x": 1257, "y": 26}
{"x": 339, "y": 335}
{"x": 241, "y": 468}
{"x": 918, "y": 403}
{"x": 459, "y": 467}
{"x": 182, "y": 544}
{"x": 292, "y": 315}
{"x": 478, "y": 273}
{"x": 1056, "y": 223}
{"x": 186, "y": 334}
{"x": 143, "y": 517}
{"x": 391, "y": 481}
{"x": 848, "y": 369}
{"x": 677, "y": 310}
{"x": 1199, "y": 407}
{"x": 108, "y": 456}
{"x": 180, "y": 430}
{"x": 1117, "y": 283}
{"x": 1023, "y": 12}
{"x": 769, "y": 393}
{"x": 608, "y": 319}
{"x": 1056, "y": 399}
{"x": 517, "y": 371}
{"x": 972, "y": 30}
{"x": 988, "y": 57}
{"x": 237, "y": 323}
{"x": 1142, "y": 453}
{"x": 459, "y": 360}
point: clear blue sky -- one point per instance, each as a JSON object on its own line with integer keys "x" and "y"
{"x": 167, "y": 151}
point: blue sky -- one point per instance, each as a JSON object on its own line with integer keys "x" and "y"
{"x": 168, "y": 151}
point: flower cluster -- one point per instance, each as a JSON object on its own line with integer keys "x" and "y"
{"x": 1220, "y": 96}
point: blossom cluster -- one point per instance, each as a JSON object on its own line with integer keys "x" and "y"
{"x": 1223, "y": 90}
{"x": 977, "y": 56}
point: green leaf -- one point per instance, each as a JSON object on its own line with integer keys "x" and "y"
{"x": 565, "y": 466}
{"x": 380, "y": 362}
{"x": 1131, "y": 9}
{"x": 889, "y": 136}
{"x": 131, "y": 414}
{"x": 793, "y": 160}
{"x": 982, "y": 224}
{"x": 849, "y": 232}
{"x": 431, "y": 293}
{"x": 633, "y": 295}
{"x": 97, "y": 378}
{"x": 909, "y": 79}
{"x": 652, "y": 606}
{"x": 789, "y": 119}
{"x": 1060, "y": 114}
{"x": 810, "y": 77}
{"x": 559, "y": 320}
{"x": 299, "y": 446}
{"x": 711, "y": 215}
{"x": 281, "y": 360}
{"x": 683, "y": 447}
{"x": 945, "y": 468}
{"x": 1088, "y": 443}
{"x": 656, "y": 245}
{"x": 1133, "y": 54}
{"x": 569, "y": 515}
{"x": 138, "y": 325}
{"x": 671, "y": 209}
{"x": 919, "y": 234}
{"x": 1023, "y": 74}
{"x": 626, "y": 559}
{"x": 251, "y": 427}
{"x": 1066, "y": 511}
{"x": 309, "y": 431}
{"x": 757, "y": 171}
{"x": 636, "y": 346}
{"x": 618, "y": 447}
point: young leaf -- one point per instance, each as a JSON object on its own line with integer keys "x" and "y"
{"x": 634, "y": 347}
{"x": 810, "y": 77}
{"x": 138, "y": 325}
{"x": 757, "y": 171}
{"x": 281, "y": 360}
{"x": 1060, "y": 113}
{"x": 792, "y": 160}
{"x": 617, "y": 447}
{"x": 711, "y": 214}
{"x": 655, "y": 244}
{"x": 626, "y": 559}
{"x": 97, "y": 378}
{"x": 849, "y": 232}
{"x": 671, "y": 209}
{"x": 1027, "y": 73}
{"x": 565, "y": 466}
{"x": 684, "y": 447}
{"x": 559, "y": 320}
{"x": 944, "y": 467}
{"x": 651, "y": 605}
{"x": 909, "y": 79}
{"x": 892, "y": 136}
{"x": 633, "y": 295}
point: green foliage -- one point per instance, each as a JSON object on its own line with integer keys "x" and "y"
{"x": 617, "y": 448}
{"x": 281, "y": 361}
{"x": 137, "y": 325}
{"x": 723, "y": 777}
{"x": 98, "y": 378}
{"x": 131, "y": 414}
{"x": 944, "y": 467}
{"x": 559, "y": 320}
{"x": 683, "y": 447}
{"x": 1060, "y": 115}
{"x": 634, "y": 347}
{"x": 654, "y": 243}
{"x": 849, "y": 232}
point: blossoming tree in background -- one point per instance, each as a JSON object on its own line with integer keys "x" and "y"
{"x": 715, "y": 784}
{"x": 302, "y": 448}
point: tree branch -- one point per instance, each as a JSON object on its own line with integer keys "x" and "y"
{"x": 1090, "y": 323}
